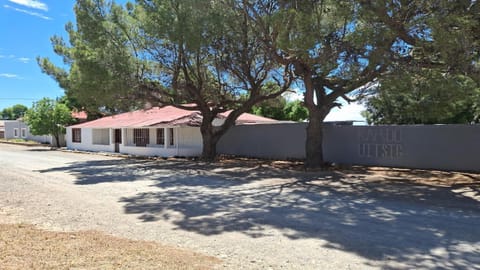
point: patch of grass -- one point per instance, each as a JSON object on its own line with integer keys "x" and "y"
{"x": 18, "y": 140}
{"x": 25, "y": 247}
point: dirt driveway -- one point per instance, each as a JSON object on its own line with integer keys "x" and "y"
{"x": 251, "y": 216}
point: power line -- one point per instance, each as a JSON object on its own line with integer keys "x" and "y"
{"x": 18, "y": 98}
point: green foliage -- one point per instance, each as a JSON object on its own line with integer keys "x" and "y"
{"x": 336, "y": 47}
{"x": 219, "y": 54}
{"x": 280, "y": 109}
{"x": 272, "y": 108}
{"x": 157, "y": 52}
{"x": 439, "y": 79}
{"x": 99, "y": 57}
{"x": 160, "y": 52}
{"x": 443, "y": 35}
{"x": 14, "y": 112}
{"x": 426, "y": 97}
{"x": 295, "y": 111}
{"x": 48, "y": 117}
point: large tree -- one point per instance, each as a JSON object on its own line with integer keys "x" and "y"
{"x": 195, "y": 55}
{"x": 339, "y": 47}
{"x": 48, "y": 117}
{"x": 333, "y": 48}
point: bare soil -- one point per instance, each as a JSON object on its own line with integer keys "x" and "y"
{"x": 25, "y": 247}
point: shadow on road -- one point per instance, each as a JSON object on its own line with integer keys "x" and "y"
{"x": 391, "y": 221}
{"x": 45, "y": 149}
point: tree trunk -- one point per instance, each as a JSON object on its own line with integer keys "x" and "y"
{"x": 209, "y": 151}
{"x": 209, "y": 138}
{"x": 314, "y": 143}
{"x": 57, "y": 140}
{"x": 211, "y": 135}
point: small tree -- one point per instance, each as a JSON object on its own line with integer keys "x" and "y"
{"x": 14, "y": 112}
{"x": 48, "y": 117}
{"x": 281, "y": 109}
{"x": 295, "y": 111}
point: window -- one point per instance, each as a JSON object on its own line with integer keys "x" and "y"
{"x": 15, "y": 132}
{"x": 23, "y": 132}
{"x": 171, "y": 139}
{"x": 101, "y": 136}
{"x": 76, "y": 135}
{"x": 141, "y": 136}
{"x": 160, "y": 136}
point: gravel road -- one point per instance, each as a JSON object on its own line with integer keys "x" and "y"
{"x": 251, "y": 217}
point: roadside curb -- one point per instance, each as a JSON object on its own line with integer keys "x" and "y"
{"x": 93, "y": 153}
{"x": 119, "y": 155}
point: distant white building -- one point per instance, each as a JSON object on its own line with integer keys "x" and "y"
{"x": 17, "y": 129}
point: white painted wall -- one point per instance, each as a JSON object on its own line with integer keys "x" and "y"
{"x": 86, "y": 143}
{"x": 218, "y": 122}
{"x": 188, "y": 142}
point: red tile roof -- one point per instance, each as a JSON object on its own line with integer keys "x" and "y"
{"x": 168, "y": 116}
{"x": 248, "y": 118}
{"x": 81, "y": 115}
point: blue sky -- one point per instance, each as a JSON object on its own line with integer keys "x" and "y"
{"x": 25, "y": 30}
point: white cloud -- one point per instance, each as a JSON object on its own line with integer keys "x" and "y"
{"x": 347, "y": 112}
{"x": 9, "y": 76}
{"x": 28, "y": 12}
{"x": 7, "y": 56}
{"x": 24, "y": 59}
{"x": 293, "y": 95}
{"x": 11, "y": 56}
{"x": 31, "y": 4}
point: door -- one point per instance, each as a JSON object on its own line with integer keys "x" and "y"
{"x": 117, "y": 139}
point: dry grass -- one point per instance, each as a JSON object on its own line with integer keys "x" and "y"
{"x": 25, "y": 247}
{"x": 428, "y": 177}
{"x": 414, "y": 176}
{"x": 20, "y": 142}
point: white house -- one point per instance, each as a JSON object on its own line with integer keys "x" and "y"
{"x": 164, "y": 132}
{"x": 17, "y": 129}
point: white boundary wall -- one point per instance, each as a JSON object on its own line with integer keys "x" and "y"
{"x": 445, "y": 147}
